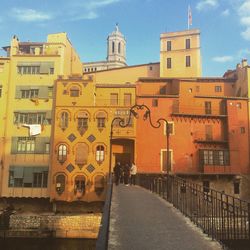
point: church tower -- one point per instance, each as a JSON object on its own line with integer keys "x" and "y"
{"x": 116, "y": 47}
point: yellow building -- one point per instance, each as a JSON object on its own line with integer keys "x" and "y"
{"x": 33, "y": 67}
{"x": 83, "y": 114}
{"x": 4, "y": 79}
{"x": 180, "y": 54}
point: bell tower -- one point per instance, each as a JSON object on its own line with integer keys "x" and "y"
{"x": 116, "y": 46}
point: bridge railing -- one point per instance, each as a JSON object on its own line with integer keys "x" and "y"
{"x": 221, "y": 216}
{"x": 103, "y": 234}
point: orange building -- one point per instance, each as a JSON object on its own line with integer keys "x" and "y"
{"x": 208, "y": 129}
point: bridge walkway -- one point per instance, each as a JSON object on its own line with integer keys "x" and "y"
{"x": 140, "y": 220}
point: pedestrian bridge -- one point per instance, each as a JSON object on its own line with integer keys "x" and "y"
{"x": 141, "y": 219}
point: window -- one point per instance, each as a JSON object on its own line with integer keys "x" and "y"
{"x": 119, "y": 48}
{"x": 74, "y": 92}
{"x": 208, "y": 108}
{"x": 60, "y": 183}
{"x": 169, "y": 64}
{"x": 62, "y": 153}
{"x": 100, "y": 153}
{"x": 47, "y": 148}
{"x": 155, "y": 103}
{"x": 188, "y": 61}
{"x": 170, "y": 127}
{"x": 188, "y": 43}
{"x": 50, "y": 92}
{"x": 51, "y": 71}
{"x": 101, "y": 122}
{"x": 238, "y": 105}
{"x": 99, "y": 184}
{"x": 242, "y": 130}
{"x": 28, "y": 177}
{"x": 29, "y": 93}
{"x": 209, "y": 132}
{"x": 1, "y": 90}
{"x": 79, "y": 184}
{"x": 169, "y": 46}
{"x": 164, "y": 160}
{"x": 206, "y": 186}
{"x": 82, "y": 122}
{"x": 214, "y": 157}
{"x": 30, "y": 118}
{"x": 27, "y": 70}
{"x": 82, "y": 152}
{"x": 113, "y": 99}
{"x": 150, "y": 68}
{"x": 64, "y": 120}
{"x": 113, "y": 47}
{"x": 26, "y": 144}
{"x": 237, "y": 187}
{"x": 127, "y": 99}
{"x": 217, "y": 89}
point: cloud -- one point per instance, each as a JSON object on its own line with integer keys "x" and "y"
{"x": 89, "y": 9}
{"x": 222, "y": 59}
{"x": 243, "y": 53}
{"x": 205, "y": 4}
{"x": 30, "y": 15}
{"x": 225, "y": 12}
{"x": 244, "y": 16}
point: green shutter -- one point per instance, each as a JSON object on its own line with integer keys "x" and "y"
{"x": 45, "y": 67}
{"x": 14, "y": 145}
{"x": 43, "y": 92}
{"x": 40, "y": 144}
{"x": 18, "y": 92}
{"x": 28, "y": 175}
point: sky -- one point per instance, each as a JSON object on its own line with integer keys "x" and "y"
{"x": 224, "y": 26}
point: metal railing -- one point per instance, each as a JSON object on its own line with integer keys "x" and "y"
{"x": 220, "y": 216}
{"x": 103, "y": 235}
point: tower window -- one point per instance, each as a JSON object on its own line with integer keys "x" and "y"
{"x": 188, "y": 61}
{"x": 187, "y": 43}
{"x": 119, "y": 48}
{"x": 169, "y": 46}
{"x": 169, "y": 63}
{"x": 113, "y": 47}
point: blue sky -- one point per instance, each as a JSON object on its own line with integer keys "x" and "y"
{"x": 224, "y": 25}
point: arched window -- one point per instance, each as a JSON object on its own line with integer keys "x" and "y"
{"x": 113, "y": 47}
{"x": 64, "y": 120}
{"x": 62, "y": 153}
{"x": 60, "y": 183}
{"x": 101, "y": 120}
{"x": 100, "y": 153}
{"x": 119, "y": 48}
{"x": 79, "y": 187}
{"x": 82, "y": 152}
{"x": 74, "y": 91}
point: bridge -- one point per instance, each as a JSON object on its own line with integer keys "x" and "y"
{"x": 166, "y": 212}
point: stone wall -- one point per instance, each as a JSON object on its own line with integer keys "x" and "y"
{"x": 69, "y": 226}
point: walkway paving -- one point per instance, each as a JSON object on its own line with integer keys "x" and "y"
{"x": 141, "y": 220}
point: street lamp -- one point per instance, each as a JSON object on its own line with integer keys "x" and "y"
{"x": 146, "y": 116}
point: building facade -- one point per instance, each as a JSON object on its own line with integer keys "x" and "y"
{"x": 32, "y": 69}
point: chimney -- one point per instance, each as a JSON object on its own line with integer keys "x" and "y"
{"x": 244, "y": 63}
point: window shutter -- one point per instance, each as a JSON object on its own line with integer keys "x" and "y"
{"x": 28, "y": 175}
{"x": 43, "y": 92}
{"x": 18, "y": 172}
{"x": 13, "y": 145}
{"x": 40, "y": 145}
{"x": 45, "y": 67}
{"x": 18, "y": 92}
{"x": 201, "y": 159}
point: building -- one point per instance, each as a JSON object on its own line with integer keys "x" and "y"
{"x": 180, "y": 54}
{"x": 28, "y": 78}
{"x": 116, "y": 54}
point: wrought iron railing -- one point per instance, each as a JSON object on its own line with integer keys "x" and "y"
{"x": 220, "y": 216}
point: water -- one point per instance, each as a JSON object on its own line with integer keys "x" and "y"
{"x": 46, "y": 244}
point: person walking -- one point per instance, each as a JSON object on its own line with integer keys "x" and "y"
{"x": 126, "y": 174}
{"x": 133, "y": 172}
{"x": 117, "y": 172}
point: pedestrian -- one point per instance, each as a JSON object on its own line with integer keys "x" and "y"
{"x": 133, "y": 172}
{"x": 126, "y": 174}
{"x": 117, "y": 172}
{"x": 122, "y": 174}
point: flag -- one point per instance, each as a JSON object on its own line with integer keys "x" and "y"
{"x": 189, "y": 16}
